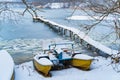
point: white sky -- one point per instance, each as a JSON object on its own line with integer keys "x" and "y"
{"x": 6, "y": 0}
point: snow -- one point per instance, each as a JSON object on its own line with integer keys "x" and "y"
{"x": 83, "y": 56}
{"x": 56, "y": 5}
{"x": 101, "y": 69}
{"x": 65, "y": 55}
{"x": 54, "y": 60}
{"x": 75, "y": 17}
{"x": 43, "y": 61}
{"x": 6, "y": 65}
{"x": 52, "y": 57}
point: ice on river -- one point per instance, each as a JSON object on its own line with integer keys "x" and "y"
{"x": 23, "y": 50}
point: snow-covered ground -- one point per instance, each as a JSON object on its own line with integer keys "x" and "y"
{"x": 54, "y": 5}
{"x": 101, "y": 69}
{"x": 77, "y": 17}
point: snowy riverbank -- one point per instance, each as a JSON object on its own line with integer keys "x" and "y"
{"x": 77, "y": 17}
{"x": 100, "y": 70}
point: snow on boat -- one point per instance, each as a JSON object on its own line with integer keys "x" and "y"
{"x": 68, "y": 56}
{"x": 6, "y": 66}
{"x": 82, "y": 61}
{"x": 60, "y": 56}
{"x": 63, "y": 53}
{"x": 43, "y": 64}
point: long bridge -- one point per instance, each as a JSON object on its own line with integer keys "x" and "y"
{"x": 79, "y": 37}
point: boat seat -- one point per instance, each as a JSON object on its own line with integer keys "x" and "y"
{"x": 75, "y": 54}
{"x": 54, "y": 52}
{"x": 53, "y": 59}
{"x": 43, "y": 57}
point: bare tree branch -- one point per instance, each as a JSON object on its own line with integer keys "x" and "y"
{"x": 31, "y": 9}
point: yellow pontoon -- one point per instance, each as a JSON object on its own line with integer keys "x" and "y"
{"x": 82, "y": 61}
{"x": 42, "y": 64}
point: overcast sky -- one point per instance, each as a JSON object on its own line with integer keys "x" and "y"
{"x": 7, "y": 0}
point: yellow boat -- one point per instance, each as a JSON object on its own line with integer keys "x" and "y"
{"x": 6, "y": 66}
{"x": 42, "y": 65}
{"x": 82, "y": 61}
